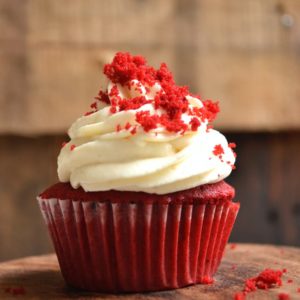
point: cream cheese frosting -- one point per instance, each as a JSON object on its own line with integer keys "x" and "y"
{"x": 111, "y": 149}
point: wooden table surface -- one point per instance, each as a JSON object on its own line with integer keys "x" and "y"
{"x": 38, "y": 277}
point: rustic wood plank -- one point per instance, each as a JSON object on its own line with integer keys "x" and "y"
{"x": 245, "y": 54}
{"x": 253, "y": 24}
{"x": 91, "y": 22}
{"x": 40, "y": 277}
{"x": 256, "y": 92}
{"x": 267, "y": 186}
{"x": 27, "y": 166}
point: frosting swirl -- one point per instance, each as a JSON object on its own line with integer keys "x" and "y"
{"x": 136, "y": 140}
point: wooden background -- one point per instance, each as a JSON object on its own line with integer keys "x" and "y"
{"x": 244, "y": 53}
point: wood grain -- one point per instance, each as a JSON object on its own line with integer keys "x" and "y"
{"x": 40, "y": 277}
{"x": 27, "y": 167}
{"x": 267, "y": 186}
{"x": 244, "y": 54}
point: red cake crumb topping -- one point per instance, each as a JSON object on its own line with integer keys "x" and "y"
{"x": 298, "y": 290}
{"x": 126, "y": 67}
{"x": 232, "y": 145}
{"x": 283, "y": 296}
{"x": 218, "y": 150}
{"x": 210, "y": 110}
{"x": 173, "y": 111}
{"x": 195, "y": 123}
{"x": 290, "y": 280}
{"x": 88, "y": 113}
{"x": 265, "y": 280}
{"x": 94, "y": 105}
{"x": 147, "y": 121}
{"x": 134, "y": 103}
{"x": 171, "y": 99}
{"x": 133, "y": 130}
{"x": 103, "y": 96}
{"x": 72, "y": 147}
{"x": 127, "y": 126}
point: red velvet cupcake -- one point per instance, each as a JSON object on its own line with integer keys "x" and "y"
{"x": 132, "y": 241}
{"x": 142, "y": 205}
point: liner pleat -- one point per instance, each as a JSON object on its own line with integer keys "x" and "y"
{"x": 130, "y": 247}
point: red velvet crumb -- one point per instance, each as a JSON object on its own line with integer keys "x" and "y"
{"x": 232, "y": 246}
{"x": 210, "y": 110}
{"x": 283, "y": 296}
{"x": 118, "y": 128}
{"x": 218, "y": 150}
{"x": 239, "y": 296}
{"x": 133, "y": 130}
{"x": 94, "y": 105}
{"x": 195, "y": 123}
{"x": 15, "y": 290}
{"x": 103, "y": 96}
{"x": 171, "y": 99}
{"x": 88, "y": 113}
{"x": 265, "y": 280}
{"x": 147, "y": 121}
{"x": 72, "y": 147}
{"x": 127, "y": 125}
{"x": 126, "y": 67}
{"x": 134, "y": 103}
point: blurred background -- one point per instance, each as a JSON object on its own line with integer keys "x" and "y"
{"x": 244, "y": 53}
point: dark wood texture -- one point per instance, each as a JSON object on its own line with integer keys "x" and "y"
{"x": 266, "y": 182}
{"x": 41, "y": 279}
{"x": 267, "y": 185}
{"x": 244, "y": 53}
{"x": 28, "y": 165}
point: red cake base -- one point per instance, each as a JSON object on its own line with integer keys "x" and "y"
{"x": 136, "y": 242}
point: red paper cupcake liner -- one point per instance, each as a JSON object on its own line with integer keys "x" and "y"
{"x": 134, "y": 247}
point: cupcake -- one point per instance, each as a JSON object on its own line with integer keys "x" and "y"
{"x": 141, "y": 203}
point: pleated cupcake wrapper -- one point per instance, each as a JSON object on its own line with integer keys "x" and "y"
{"x": 129, "y": 247}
